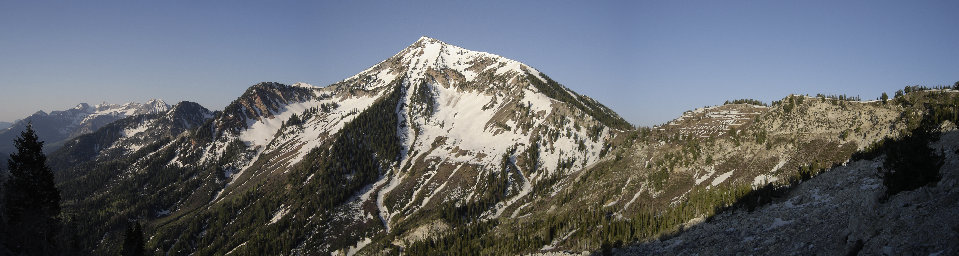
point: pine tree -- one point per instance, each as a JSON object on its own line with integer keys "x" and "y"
{"x": 133, "y": 241}
{"x": 32, "y": 205}
{"x": 884, "y": 98}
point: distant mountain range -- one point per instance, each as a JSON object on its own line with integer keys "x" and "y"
{"x": 58, "y": 126}
{"x": 5, "y": 125}
{"x": 440, "y": 150}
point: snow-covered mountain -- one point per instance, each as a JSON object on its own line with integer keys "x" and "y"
{"x": 128, "y": 135}
{"x": 451, "y": 102}
{"x": 460, "y": 116}
{"x": 427, "y": 128}
{"x": 443, "y": 150}
{"x": 57, "y": 126}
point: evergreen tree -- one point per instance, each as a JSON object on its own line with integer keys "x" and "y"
{"x": 32, "y": 199}
{"x": 133, "y": 240}
{"x": 910, "y": 163}
{"x": 884, "y": 98}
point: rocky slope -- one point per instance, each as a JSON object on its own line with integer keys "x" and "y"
{"x": 842, "y": 211}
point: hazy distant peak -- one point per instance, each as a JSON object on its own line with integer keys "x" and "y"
{"x": 82, "y": 106}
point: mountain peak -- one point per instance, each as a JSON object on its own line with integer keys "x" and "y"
{"x": 155, "y": 102}
{"x": 156, "y": 106}
{"x": 428, "y": 55}
{"x": 82, "y": 106}
{"x": 426, "y": 39}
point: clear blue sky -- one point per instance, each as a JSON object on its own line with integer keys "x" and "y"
{"x": 647, "y": 60}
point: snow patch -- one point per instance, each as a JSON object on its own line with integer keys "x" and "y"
{"x": 706, "y": 176}
{"x": 304, "y": 85}
{"x": 279, "y": 214}
{"x": 352, "y": 250}
{"x": 234, "y": 249}
{"x": 130, "y": 132}
{"x": 385, "y": 213}
{"x": 778, "y": 165}
{"x": 527, "y": 188}
{"x": 763, "y": 179}
{"x": 719, "y": 179}
{"x": 261, "y": 132}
